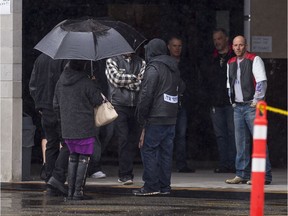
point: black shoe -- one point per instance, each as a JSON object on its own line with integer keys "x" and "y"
{"x": 143, "y": 192}
{"x": 266, "y": 182}
{"x": 54, "y": 183}
{"x": 165, "y": 192}
{"x": 224, "y": 170}
{"x": 52, "y": 192}
{"x": 82, "y": 197}
{"x": 186, "y": 170}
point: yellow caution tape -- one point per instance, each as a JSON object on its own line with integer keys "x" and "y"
{"x": 276, "y": 110}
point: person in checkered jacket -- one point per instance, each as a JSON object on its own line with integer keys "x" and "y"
{"x": 124, "y": 76}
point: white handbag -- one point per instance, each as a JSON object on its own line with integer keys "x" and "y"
{"x": 105, "y": 113}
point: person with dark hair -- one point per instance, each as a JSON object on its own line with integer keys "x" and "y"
{"x": 76, "y": 96}
{"x": 124, "y": 74}
{"x": 157, "y": 113}
{"x": 247, "y": 84}
{"x": 221, "y": 111}
{"x": 175, "y": 49}
{"x": 45, "y": 74}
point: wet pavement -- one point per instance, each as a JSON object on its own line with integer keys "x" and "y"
{"x": 26, "y": 203}
{"x": 200, "y": 193}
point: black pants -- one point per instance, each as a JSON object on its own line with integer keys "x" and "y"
{"x": 53, "y": 136}
{"x": 61, "y": 164}
{"x": 127, "y": 133}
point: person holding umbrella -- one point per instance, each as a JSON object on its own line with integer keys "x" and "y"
{"x": 75, "y": 98}
{"x": 90, "y": 39}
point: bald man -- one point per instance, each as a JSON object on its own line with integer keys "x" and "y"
{"x": 243, "y": 71}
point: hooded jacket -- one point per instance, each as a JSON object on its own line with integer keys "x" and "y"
{"x": 158, "y": 98}
{"x": 75, "y": 98}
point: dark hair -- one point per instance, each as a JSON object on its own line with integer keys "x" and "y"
{"x": 221, "y": 30}
{"x": 77, "y": 65}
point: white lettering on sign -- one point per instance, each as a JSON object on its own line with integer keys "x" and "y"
{"x": 261, "y": 43}
{"x": 5, "y": 7}
{"x": 170, "y": 98}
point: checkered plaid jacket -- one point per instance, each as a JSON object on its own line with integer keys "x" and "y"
{"x": 119, "y": 78}
{"x": 124, "y": 76}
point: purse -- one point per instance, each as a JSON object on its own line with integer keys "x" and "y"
{"x": 105, "y": 113}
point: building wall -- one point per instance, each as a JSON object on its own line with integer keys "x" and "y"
{"x": 269, "y": 19}
{"x": 11, "y": 85}
{"x": 268, "y": 39}
{"x": 194, "y": 20}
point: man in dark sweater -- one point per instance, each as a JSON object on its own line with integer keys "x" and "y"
{"x": 221, "y": 110}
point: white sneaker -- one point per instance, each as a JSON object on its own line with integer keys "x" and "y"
{"x": 98, "y": 175}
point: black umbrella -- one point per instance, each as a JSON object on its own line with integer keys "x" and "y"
{"x": 90, "y": 39}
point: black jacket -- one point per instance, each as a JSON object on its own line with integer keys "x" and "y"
{"x": 217, "y": 79}
{"x": 158, "y": 98}
{"x": 44, "y": 77}
{"x": 75, "y": 98}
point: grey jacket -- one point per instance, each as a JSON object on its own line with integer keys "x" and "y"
{"x": 74, "y": 101}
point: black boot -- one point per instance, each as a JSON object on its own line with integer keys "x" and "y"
{"x": 72, "y": 172}
{"x": 81, "y": 178}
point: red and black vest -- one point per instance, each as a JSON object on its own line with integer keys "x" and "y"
{"x": 247, "y": 77}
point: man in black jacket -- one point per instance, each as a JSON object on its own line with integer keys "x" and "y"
{"x": 44, "y": 77}
{"x": 221, "y": 110}
{"x": 157, "y": 112}
{"x": 175, "y": 49}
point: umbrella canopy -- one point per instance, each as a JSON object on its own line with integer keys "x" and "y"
{"x": 90, "y": 39}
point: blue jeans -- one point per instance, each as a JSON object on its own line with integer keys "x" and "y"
{"x": 244, "y": 116}
{"x": 223, "y": 124}
{"x": 180, "y": 138}
{"x": 157, "y": 153}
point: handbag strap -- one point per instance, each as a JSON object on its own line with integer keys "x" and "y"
{"x": 104, "y": 98}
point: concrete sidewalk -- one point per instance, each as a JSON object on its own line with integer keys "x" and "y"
{"x": 203, "y": 179}
{"x": 200, "y": 180}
